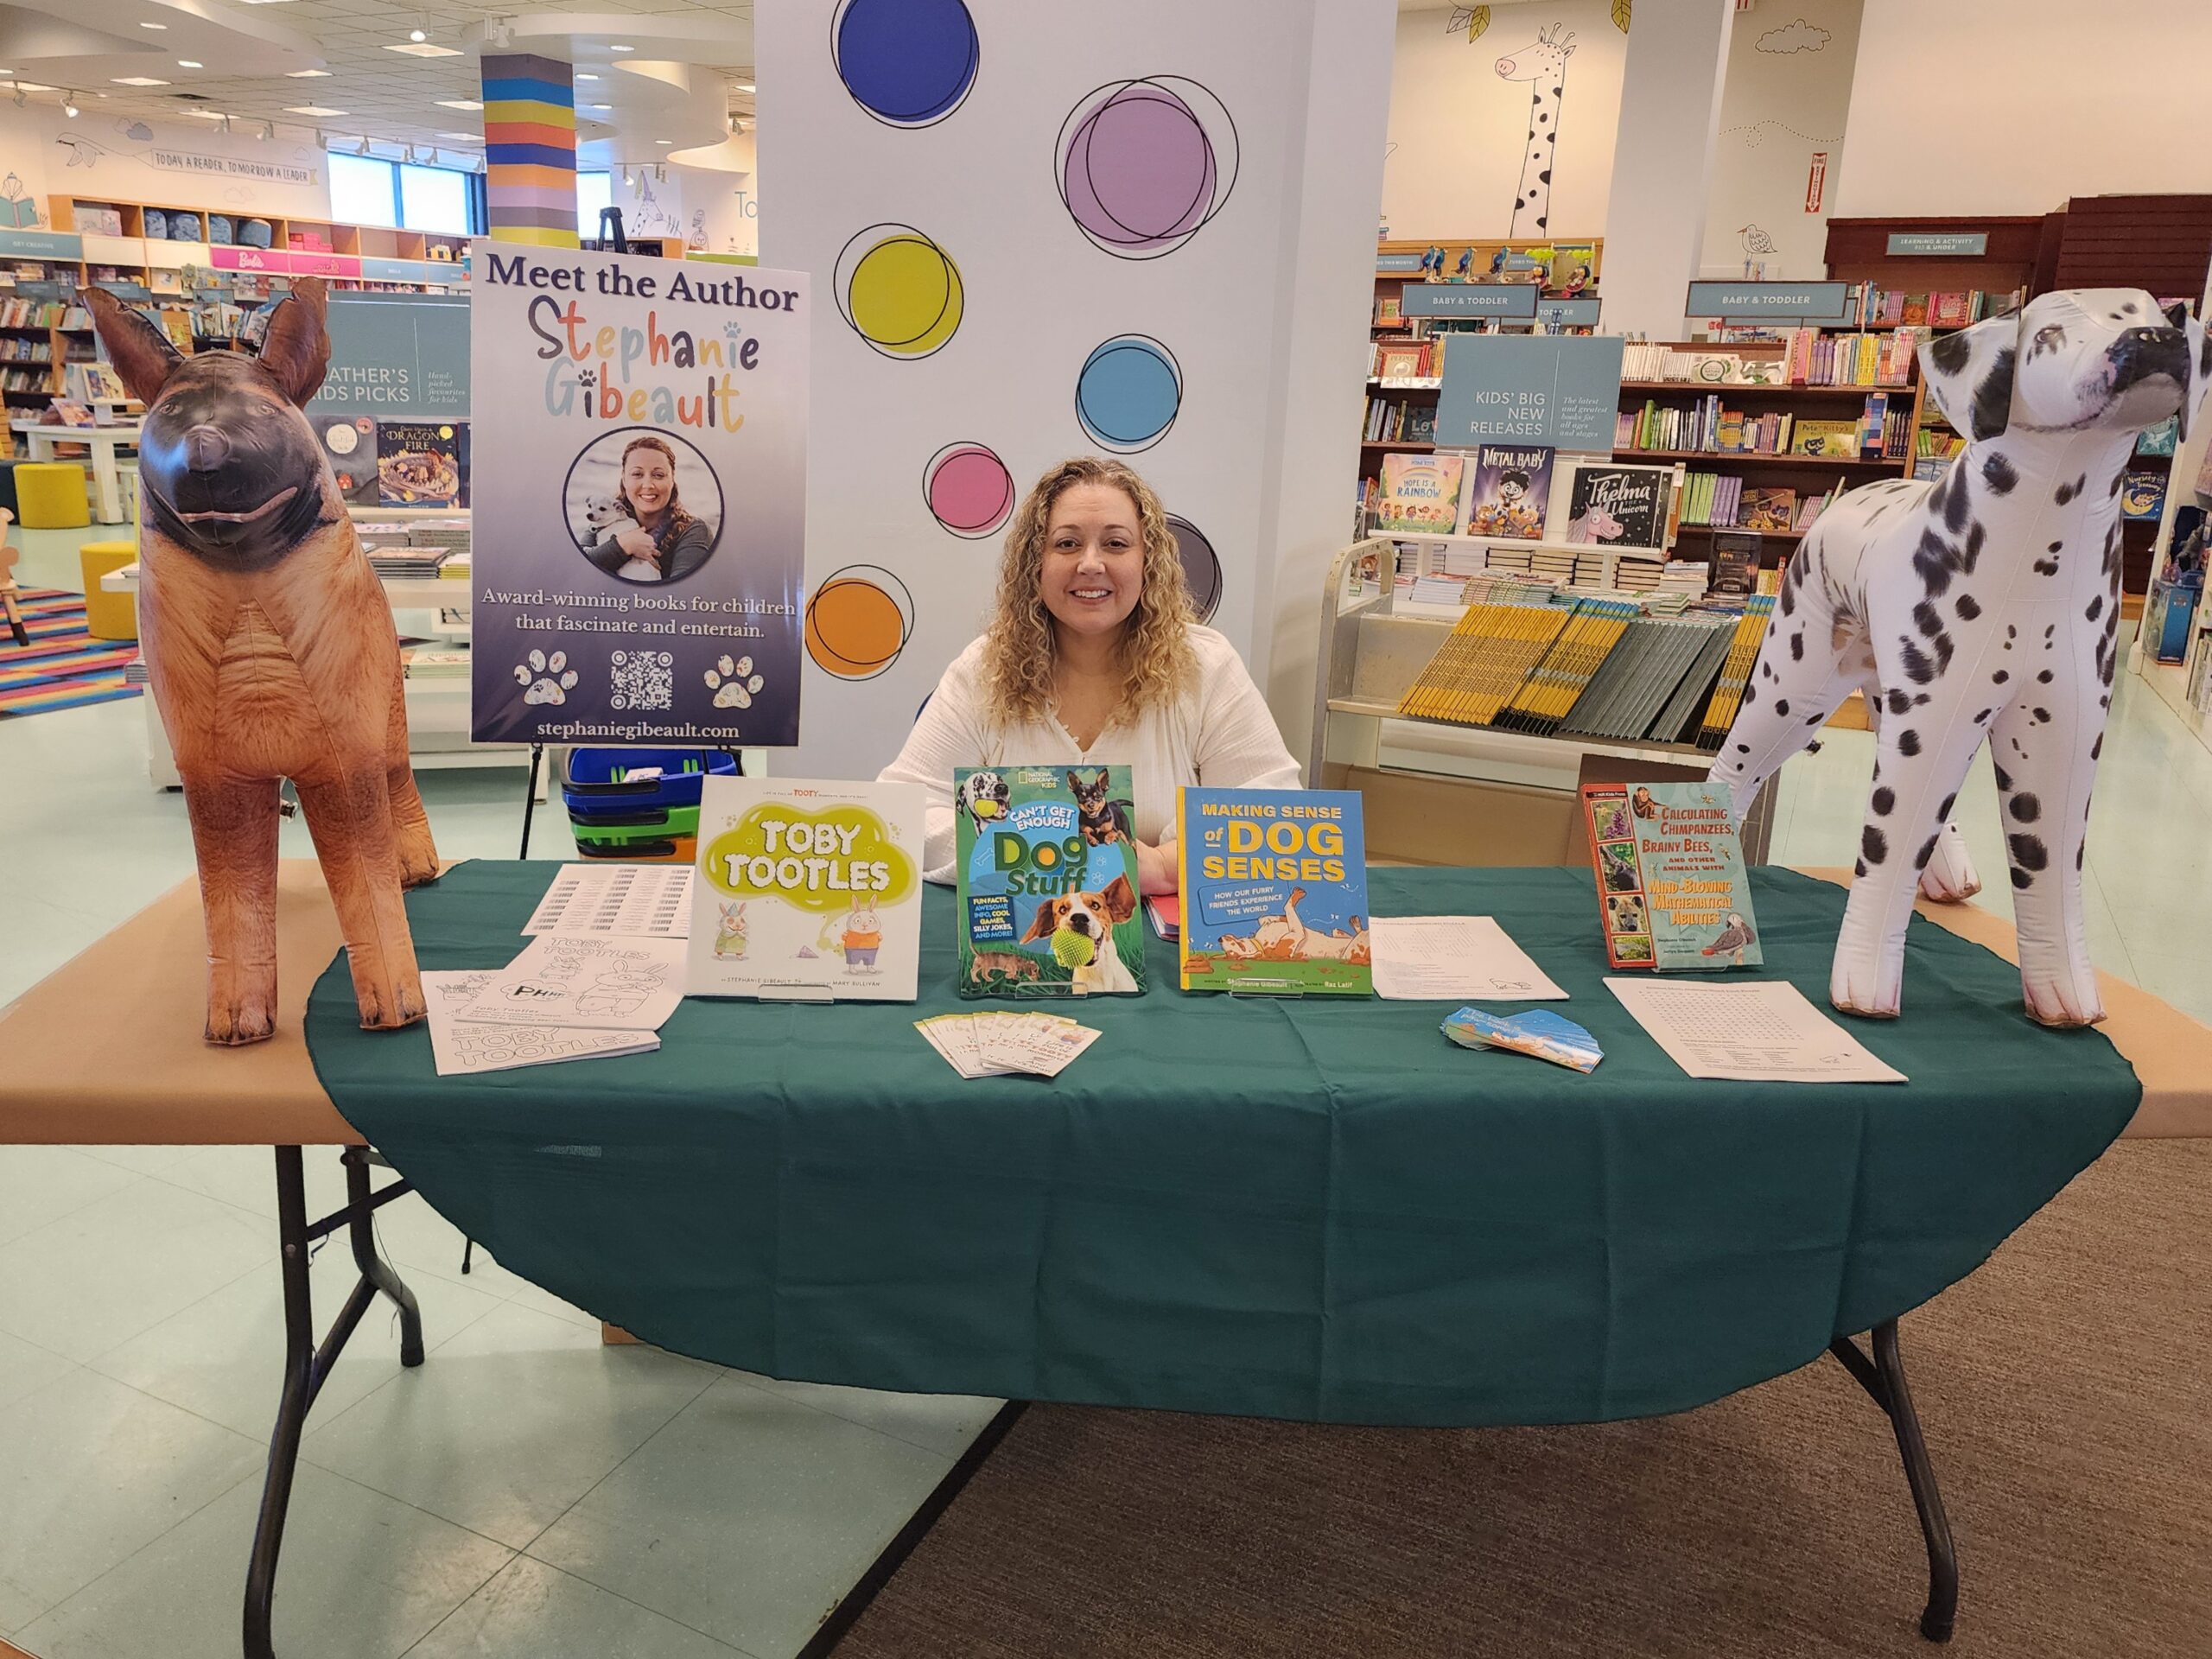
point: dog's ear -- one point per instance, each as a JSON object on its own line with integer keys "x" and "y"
{"x": 141, "y": 352}
{"x": 1121, "y": 898}
{"x": 1969, "y": 374}
{"x": 2200, "y": 371}
{"x": 296, "y": 349}
{"x": 1042, "y": 927}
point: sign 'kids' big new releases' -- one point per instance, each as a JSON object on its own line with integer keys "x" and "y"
{"x": 807, "y": 888}
{"x": 638, "y": 476}
{"x": 1275, "y": 892}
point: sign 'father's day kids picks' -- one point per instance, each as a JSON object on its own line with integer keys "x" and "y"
{"x": 640, "y": 482}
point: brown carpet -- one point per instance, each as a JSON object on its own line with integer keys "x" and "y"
{"x": 2065, "y": 1390}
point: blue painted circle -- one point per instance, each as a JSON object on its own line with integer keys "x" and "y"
{"x": 1128, "y": 393}
{"x": 907, "y": 62}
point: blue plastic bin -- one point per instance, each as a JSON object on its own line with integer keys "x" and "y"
{"x": 596, "y": 782}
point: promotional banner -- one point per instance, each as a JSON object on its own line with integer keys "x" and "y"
{"x": 397, "y": 357}
{"x": 639, "y": 491}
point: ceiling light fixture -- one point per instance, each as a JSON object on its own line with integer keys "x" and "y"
{"x": 226, "y": 124}
{"x": 153, "y": 25}
{"x": 747, "y": 87}
{"x": 621, "y": 48}
{"x": 580, "y": 75}
{"x": 69, "y": 105}
{"x": 311, "y": 109}
{"x": 660, "y": 174}
{"x": 410, "y": 155}
{"x": 136, "y": 80}
{"x": 626, "y": 178}
{"x": 304, "y": 74}
{"x": 20, "y": 99}
{"x": 321, "y": 139}
{"x": 361, "y": 149}
{"x": 460, "y": 103}
{"x": 663, "y": 141}
{"x": 268, "y": 130}
{"x": 190, "y": 63}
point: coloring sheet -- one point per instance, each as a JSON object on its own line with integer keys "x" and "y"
{"x": 599, "y": 983}
{"x": 463, "y": 1047}
{"x": 650, "y": 900}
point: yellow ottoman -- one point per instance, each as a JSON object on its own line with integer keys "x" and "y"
{"x": 108, "y": 616}
{"x": 50, "y": 495}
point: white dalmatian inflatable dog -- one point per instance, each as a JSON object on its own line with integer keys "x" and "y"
{"x": 1985, "y": 606}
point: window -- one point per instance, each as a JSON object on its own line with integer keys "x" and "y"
{"x": 361, "y": 190}
{"x": 433, "y": 199}
{"x": 593, "y": 192}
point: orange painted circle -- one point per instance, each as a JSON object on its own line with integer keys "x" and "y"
{"x": 854, "y": 629}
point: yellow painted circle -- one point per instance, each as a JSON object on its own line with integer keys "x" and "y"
{"x": 903, "y": 296}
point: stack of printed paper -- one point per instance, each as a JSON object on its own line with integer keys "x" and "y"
{"x": 462, "y": 1047}
{"x": 997, "y": 1044}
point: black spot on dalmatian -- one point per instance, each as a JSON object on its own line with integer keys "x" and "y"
{"x": 2026, "y": 807}
{"x": 2080, "y": 847}
{"x": 1900, "y": 703}
{"x": 1908, "y": 743}
{"x": 1813, "y": 720}
{"x": 2204, "y": 357}
{"x": 2021, "y": 878}
{"x": 2039, "y": 716}
{"x": 2028, "y": 851}
{"x": 1751, "y": 693}
{"x": 2000, "y": 474}
{"x": 2113, "y": 487}
{"x": 1971, "y": 555}
{"x": 2044, "y": 678}
{"x": 1797, "y": 647}
{"x": 1546, "y": 175}
{"x": 1782, "y": 705}
{"x": 1950, "y": 352}
{"x": 1982, "y": 719}
{"x": 1929, "y": 623}
{"x": 1873, "y": 845}
{"x": 1943, "y": 650}
{"x": 2058, "y": 547}
{"x": 1934, "y": 560}
{"x": 1788, "y": 598}
{"x": 2066, "y": 492}
{"x": 1927, "y": 851}
{"x": 1955, "y": 509}
{"x": 1999, "y": 677}
{"x": 1859, "y": 867}
{"x": 1743, "y": 749}
{"x": 1883, "y": 800}
{"x": 2003, "y": 778}
{"x": 1969, "y": 607}
{"x": 2098, "y": 747}
{"x": 1917, "y": 667}
{"x": 1943, "y": 812}
{"x": 1766, "y": 670}
{"x": 1992, "y": 398}
{"x": 2046, "y": 566}
{"x": 1919, "y": 698}
{"x": 2096, "y": 605}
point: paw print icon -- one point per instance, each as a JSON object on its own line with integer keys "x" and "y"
{"x": 545, "y": 679}
{"x": 733, "y": 682}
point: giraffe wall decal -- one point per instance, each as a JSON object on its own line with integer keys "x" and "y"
{"x": 1543, "y": 64}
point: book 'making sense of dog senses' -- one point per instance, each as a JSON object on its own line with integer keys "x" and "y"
{"x": 1274, "y": 885}
{"x": 1671, "y": 885}
{"x": 1047, "y": 866}
{"x": 807, "y": 888}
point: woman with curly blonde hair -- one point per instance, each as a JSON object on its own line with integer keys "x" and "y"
{"x": 1093, "y": 657}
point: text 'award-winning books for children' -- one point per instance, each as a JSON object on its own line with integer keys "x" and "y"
{"x": 1275, "y": 892}
{"x": 1670, "y": 876}
{"x": 804, "y": 889}
{"x": 1047, "y": 870}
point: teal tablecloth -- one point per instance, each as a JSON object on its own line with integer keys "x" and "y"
{"x": 1312, "y": 1209}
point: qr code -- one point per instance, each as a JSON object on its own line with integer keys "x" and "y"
{"x": 641, "y": 679}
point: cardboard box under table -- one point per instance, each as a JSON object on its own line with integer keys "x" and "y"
{"x": 75, "y": 1073}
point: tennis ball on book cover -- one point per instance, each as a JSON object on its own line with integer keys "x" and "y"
{"x": 1071, "y": 948}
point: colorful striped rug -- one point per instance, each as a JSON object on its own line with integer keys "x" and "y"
{"x": 63, "y": 667}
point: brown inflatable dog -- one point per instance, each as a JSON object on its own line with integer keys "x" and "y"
{"x": 272, "y": 655}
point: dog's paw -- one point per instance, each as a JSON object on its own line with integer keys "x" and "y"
{"x": 1950, "y": 877}
{"x": 733, "y": 682}
{"x": 2063, "y": 1000}
{"x": 233, "y": 1023}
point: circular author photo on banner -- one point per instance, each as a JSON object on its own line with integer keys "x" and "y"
{"x": 643, "y": 505}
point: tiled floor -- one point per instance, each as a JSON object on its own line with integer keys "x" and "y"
{"x": 529, "y": 1492}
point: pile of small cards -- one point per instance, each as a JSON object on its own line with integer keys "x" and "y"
{"x": 998, "y": 1044}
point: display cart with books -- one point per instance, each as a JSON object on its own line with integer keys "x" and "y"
{"x": 1468, "y": 728}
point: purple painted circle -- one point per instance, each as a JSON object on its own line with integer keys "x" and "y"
{"x": 1140, "y": 171}
{"x": 970, "y": 492}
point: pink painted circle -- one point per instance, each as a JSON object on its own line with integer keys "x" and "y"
{"x": 1143, "y": 164}
{"x": 969, "y": 489}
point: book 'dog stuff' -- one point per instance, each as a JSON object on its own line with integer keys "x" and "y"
{"x": 1046, "y": 863}
{"x": 1671, "y": 885}
{"x": 807, "y": 889}
{"x": 1275, "y": 892}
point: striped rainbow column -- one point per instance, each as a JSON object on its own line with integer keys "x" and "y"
{"x": 529, "y": 151}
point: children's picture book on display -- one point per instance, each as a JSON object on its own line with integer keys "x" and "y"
{"x": 1620, "y": 506}
{"x": 1420, "y": 493}
{"x": 1672, "y": 892}
{"x": 418, "y": 464}
{"x": 804, "y": 889}
{"x": 1508, "y": 495}
{"x": 1274, "y": 885}
{"x": 1046, "y": 866}
{"x": 2143, "y": 493}
{"x": 349, "y": 443}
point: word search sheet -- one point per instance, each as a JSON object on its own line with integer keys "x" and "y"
{"x": 1764, "y": 1031}
{"x": 653, "y": 900}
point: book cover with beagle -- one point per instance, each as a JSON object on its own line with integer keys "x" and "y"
{"x": 1047, "y": 871}
{"x": 805, "y": 887}
{"x": 1275, "y": 892}
{"x": 1671, "y": 885}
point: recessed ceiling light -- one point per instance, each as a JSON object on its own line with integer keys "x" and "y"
{"x": 209, "y": 115}
{"x": 663, "y": 141}
{"x": 423, "y": 49}
{"x": 621, "y": 48}
{"x": 460, "y": 103}
{"x": 263, "y": 3}
{"x": 69, "y": 105}
{"x": 310, "y": 109}
{"x": 580, "y": 75}
{"x": 32, "y": 87}
{"x": 599, "y": 108}
{"x": 136, "y": 80}
{"x": 153, "y": 25}
{"x": 467, "y": 137}
{"x": 747, "y": 87}
{"x": 190, "y": 63}
{"x": 303, "y": 74}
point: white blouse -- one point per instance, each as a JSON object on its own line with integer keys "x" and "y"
{"x": 1220, "y": 734}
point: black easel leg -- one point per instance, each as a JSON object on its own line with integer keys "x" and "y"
{"x": 530, "y": 796}
{"x": 1883, "y": 1377}
{"x": 306, "y": 1365}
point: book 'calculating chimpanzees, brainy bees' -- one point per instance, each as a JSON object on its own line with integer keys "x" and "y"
{"x": 1047, "y": 859}
{"x": 1672, "y": 890}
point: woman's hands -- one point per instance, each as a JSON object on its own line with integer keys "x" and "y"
{"x": 1155, "y": 868}
{"x": 639, "y": 544}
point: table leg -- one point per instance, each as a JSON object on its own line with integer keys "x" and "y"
{"x": 307, "y": 1364}
{"x": 105, "y": 485}
{"x": 1883, "y": 1377}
